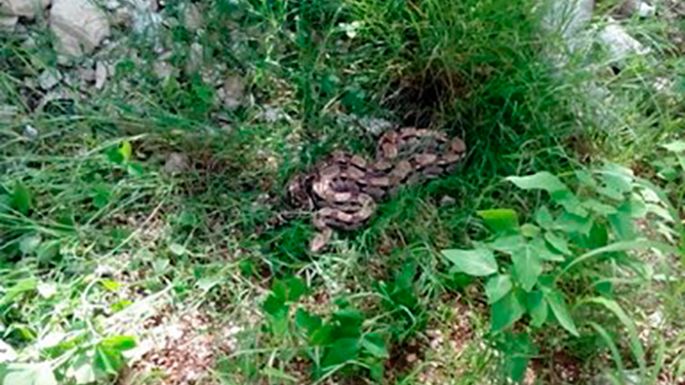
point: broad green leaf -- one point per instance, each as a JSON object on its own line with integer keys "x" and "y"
{"x": 207, "y": 283}
{"x": 540, "y": 181}
{"x": 544, "y": 252}
{"x": 599, "y": 207}
{"x": 537, "y": 308}
{"x": 374, "y": 344}
{"x": 322, "y": 336}
{"x": 571, "y": 223}
{"x": 633, "y": 336}
{"x": 500, "y": 220}
{"x": 22, "y": 286}
{"x": 530, "y": 231}
{"x": 558, "y": 305}
{"x": 177, "y": 249}
{"x": 586, "y": 178}
{"x": 544, "y": 218}
{"x": 497, "y": 287}
{"x": 275, "y": 306}
{"x": 623, "y": 226}
{"x": 478, "y": 262}
{"x": 107, "y": 361}
{"x": 505, "y": 312}
{"x": 557, "y": 242}
{"x": 81, "y": 370}
{"x": 676, "y": 146}
{"x": 289, "y": 289}
{"x": 507, "y": 244}
{"x": 29, "y": 243}
{"x": 307, "y": 322}
{"x": 570, "y": 202}
{"x": 341, "y": 351}
{"x": 527, "y": 266}
{"x": 29, "y": 374}
{"x": 21, "y": 198}
{"x": 120, "y": 343}
{"x": 126, "y": 150}
{"x": 516, "y": 366}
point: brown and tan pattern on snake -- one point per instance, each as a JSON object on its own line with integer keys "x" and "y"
{"x": 343, "y": 190}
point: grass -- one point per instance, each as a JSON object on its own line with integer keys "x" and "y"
{"x": 96, "y": 238}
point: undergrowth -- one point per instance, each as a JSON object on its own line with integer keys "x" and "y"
{"x": 98, "y": 233}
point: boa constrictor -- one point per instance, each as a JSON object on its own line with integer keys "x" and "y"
{"x": 343, "y": 190}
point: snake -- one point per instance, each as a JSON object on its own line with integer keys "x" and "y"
{"x": 342, "y": 192}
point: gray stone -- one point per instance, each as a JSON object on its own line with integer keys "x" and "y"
{"x": 192, "y": 18}
{"x": 7, "y": 23}
{"x": 232, "y": 94}
{"x": 569, "y": 17}
{"x": 619, "y": 44}
{"x": 101, "y": 74}
{"x": 49, "y": 79}
{"x": 375, "y": 126}
{"x": 176, "y": 163}
{"x": 79, "y": 25}
{"x": 30, "y": 132}
{"x": 25, "y": 8}
{"x": 636, "y": 7}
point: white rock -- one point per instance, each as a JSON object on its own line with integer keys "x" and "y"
{"x": 100, "y": 75}
{"x": 619, "y": 44}
{"x": 49, "y": 79}
{"x": 192, "y": 17}
{"x": 7, "y": 353}
{"x": 7, "y": 23}
{"x": 163, "y": 70}
{"x": 639, "y": 7}
{"x": 569, "y": 17}
{"x": 79, "y": 25}
{"x": 232, "y": 94}
{"x": 176, "y": 163}
{"x": 30, "y": 132}
{"x": 25, "y": 8}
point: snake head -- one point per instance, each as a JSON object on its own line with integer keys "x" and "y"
{"x": 299, "y": 192}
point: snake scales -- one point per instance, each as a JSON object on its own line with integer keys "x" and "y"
{"x": 343, "y": 190}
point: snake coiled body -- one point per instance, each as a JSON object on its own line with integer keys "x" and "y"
{"x": 343, "y": 191}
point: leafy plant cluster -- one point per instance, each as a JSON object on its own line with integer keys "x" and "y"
{"x": 539, "y": 273}
{"x": 347, "y": 341}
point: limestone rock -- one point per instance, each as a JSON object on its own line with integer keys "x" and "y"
{"x": 79, "y": 25}
{"x": 25, "y": 8}
{"x": 619, "y": 44}
{"x": 7, "y": 23}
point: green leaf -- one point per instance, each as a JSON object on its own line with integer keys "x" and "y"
{"x": 540, "y": 181}
{"x": 544, "y": 218}
{"x": 81, "y": 370}
{"x": 107, "y": 361}
{"x": 615, "y": 353}
{"x": 530, "y": 231}
{"x": 289, "y": 289}
{"x": 29, "y": 374}
{"x": 507, "y": 244}
{"x": 500, "y": 220}
{"x": 505, "y": 312}
{"x": 21, "y": 199}
{"x": 622, "y": 225}
{"x": 341, "y": 351}
{"x": 676, "y": 146}
{"x": 571, "y": 223}
{"x": 527, "y": 266}
{"x": 207, "y": 283}
{"x": 177, "y": 249}
{"x": 307, "y": 322}
{"x": 497, "y": 287}
{"x": 374, "y": 344}
{"x": 126, "y": 150}
{"x": 29, "y": 243}
{"x": 478, "y": 262}
{"x": 120, "y": 343}
{"x": 570, "y": 202}
{"x": 557, "y": 242}
{"x": 598, "y": 207}
{"x": 557, "y": 303}
{"x": 537, "y": 308}
{"x": 274, "y": 306}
